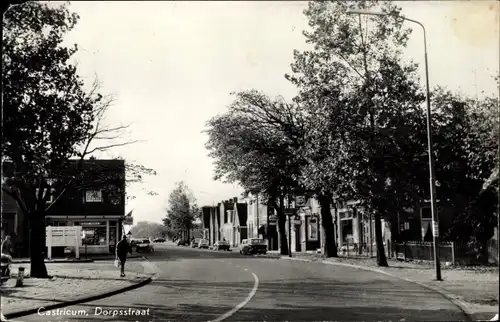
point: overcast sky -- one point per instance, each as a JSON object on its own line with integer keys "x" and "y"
{"x": 172, "y": 65}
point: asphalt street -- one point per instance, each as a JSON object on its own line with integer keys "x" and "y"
{"x": 206, "y": 285}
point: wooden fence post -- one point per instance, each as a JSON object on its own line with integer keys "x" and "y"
{"x": 453, "y": 253}
{"x": 48, "y": 235}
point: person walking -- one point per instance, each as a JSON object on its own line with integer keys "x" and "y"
{"x": 122, "y": 249}
{"x": 7, "y": 246}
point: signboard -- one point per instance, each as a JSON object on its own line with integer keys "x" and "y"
{"x": 128, "y": 220}
{"x": 407, "y": 226}
{"x": 93, "y": 196}
{"x": 300, "y": 201}
{"x": 435, "y": 229}
{"x": 272, "y": 220}
{"x": 290, "y": 211}
{"x": 297, "y": 222}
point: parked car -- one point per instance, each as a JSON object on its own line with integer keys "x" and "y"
{"x": 159, "y": 240}
{"x": 182, "y": 242}
{"x": 253, "y": 246}
{"x": 144, "y": 245}
{"x": 6, "y": 263}
{"x": 195, "y": 242}
{"x": 203, "y": 243}
{"x": 221, "y": 245}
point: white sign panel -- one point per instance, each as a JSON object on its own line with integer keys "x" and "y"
{"x": 435, "y": 229}
{"x": 407, "y": 226}
{"x": 93, "y": 196}
{"x": 300, "y": 201}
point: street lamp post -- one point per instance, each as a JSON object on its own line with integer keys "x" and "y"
{"x": 432, "y": 180}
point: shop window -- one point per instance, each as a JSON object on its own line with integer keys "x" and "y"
{"x": 312, "y": 229}
{"x": 426, "y": 213}
{"x": 94, "y": 235}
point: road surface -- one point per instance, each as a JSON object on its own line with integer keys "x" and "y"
{"x": 205, "y": 285}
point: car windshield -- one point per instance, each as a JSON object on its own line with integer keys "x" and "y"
{"x": 145, "y": 241}
{"x": 257, "y": 241}
{"x": 203, "y": 241}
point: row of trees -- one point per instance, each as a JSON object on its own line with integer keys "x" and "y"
{"x": 49, "y": 116}
{"x": 182, "y": 212}
{"x": 357, "y": 130}
{"x": 146, "y": 229}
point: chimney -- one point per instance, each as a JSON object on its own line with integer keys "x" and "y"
{"x": 235, "y": 199}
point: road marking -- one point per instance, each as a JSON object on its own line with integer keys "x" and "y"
{"x": 242, "y": 304}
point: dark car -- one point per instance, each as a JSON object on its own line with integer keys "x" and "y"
{"x": 221, "y": 245}
{"x": 182, "y": 242}
{"x": 144, "y": 246}
{"x": 159, "y": 240}
{"x": 253, "y": 246}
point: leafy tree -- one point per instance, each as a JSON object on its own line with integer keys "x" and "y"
{"x": 253, "y": 144}
{"x": 182, "y": 211}
{"x": 362, "y": 104}
{"x": 48, "y": 117}
{"x": 146, "y": 229}
{"x": 466, "y": 150}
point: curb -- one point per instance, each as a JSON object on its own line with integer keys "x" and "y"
{"x": 57, "y": 261}
{"x": 83, "y": 300}
{"x": 460, "y": 304}
{"x": 64, "y": 261}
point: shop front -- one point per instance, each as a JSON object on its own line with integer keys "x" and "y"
{"x": 99, "y": 233}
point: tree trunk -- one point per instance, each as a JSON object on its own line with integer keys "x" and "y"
{"x": 381, "y": 258}
{"x": 282, "y": 227}
{"x": 37, "y": 249}
{"x": 327, "y": 222}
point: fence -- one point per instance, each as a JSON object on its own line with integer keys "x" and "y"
{"x": 463, "y": 253}
{"x": 64, "y": 236}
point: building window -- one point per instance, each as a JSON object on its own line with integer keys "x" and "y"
{"x": 94, "y": 236}
{"x": 426, "y": 213}
{"x": 51, "y": 197}
{"x": 93, "y": 196}
{"x": 312, "y": 229}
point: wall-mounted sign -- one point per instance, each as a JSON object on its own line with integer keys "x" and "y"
{"x": 290, "y": 211}
{"x": 407, "y": 226}
{"x": 273, "y": 217}
{"x": 128, "y": 220}
{"x": 300, "y": 201}
{"x": 93, "y": 196}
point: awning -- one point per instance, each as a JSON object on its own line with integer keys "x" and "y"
{"x": 83, "y": 217}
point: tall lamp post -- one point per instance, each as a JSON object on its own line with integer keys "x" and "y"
{"x": 432, "y": 180}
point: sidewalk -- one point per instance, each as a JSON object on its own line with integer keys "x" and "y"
{"x": 475, "y": 290}
{"x": 82, "y": 259}
{"x": 70, "y": 283}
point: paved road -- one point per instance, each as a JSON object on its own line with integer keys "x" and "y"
{"x": 203, "y": 285}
